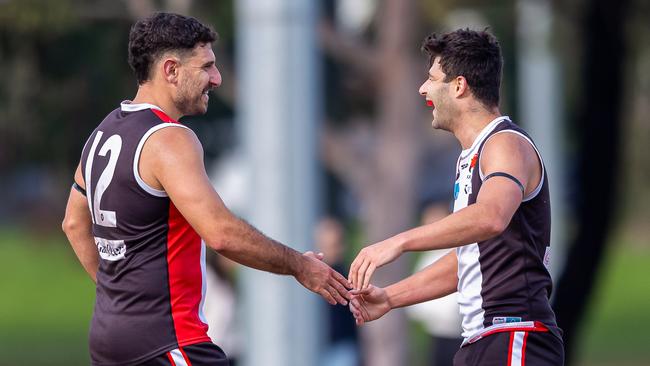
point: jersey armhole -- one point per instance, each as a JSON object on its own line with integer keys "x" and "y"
{"x": 537, "y": 189}
{"x": 136, "y": 159}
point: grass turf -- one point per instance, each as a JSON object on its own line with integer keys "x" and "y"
{"x": 46, "y": 304}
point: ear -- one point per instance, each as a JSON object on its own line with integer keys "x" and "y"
{"x": 460, "y": 86}
{"x": 170, "y": 70}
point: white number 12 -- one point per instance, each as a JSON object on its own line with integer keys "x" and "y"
{"x": 114, "y": 145}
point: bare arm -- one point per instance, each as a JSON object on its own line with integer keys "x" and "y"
{"x": 495, "y": 205}
{"x": 174, "y": 158}
{"x": 77, "y": 226}
{"x": 434, "y": 281}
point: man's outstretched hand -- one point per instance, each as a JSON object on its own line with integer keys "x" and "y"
{"x": 369, "y": 304}
{"x": 320, "y": 278}
{"x": 370, "y": 258}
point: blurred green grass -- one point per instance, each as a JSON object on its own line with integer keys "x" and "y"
{"x": 47, "y": 302}
{"x": 615, "y": 331}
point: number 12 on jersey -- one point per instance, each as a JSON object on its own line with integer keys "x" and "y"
{"x": 114, "y": 145}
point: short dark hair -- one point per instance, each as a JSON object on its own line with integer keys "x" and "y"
{"x": 162, "y": 32}
{"x": 475, "y": 55}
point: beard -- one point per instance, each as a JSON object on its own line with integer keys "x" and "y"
{"x": 445, "y": 111}
{"x": 189, "y": 100}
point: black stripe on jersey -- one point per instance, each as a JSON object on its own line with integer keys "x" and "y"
{"x": 506, "y": 175}
{"x": 78, "y": 188}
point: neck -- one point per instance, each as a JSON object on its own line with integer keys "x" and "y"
{"x": 471, "y": 122}
{"x": 148, "y": 93}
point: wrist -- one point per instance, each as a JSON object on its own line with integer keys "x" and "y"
{"x": 390, "y": 297}
{"x": 297, "y": 265}
{"x": 402, "y": 242}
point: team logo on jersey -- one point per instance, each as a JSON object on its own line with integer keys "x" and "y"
{"x": 464, "y": 166}
{"x": 456, "y": 190}
{"x": 110, "y": 250}
{"x": 472, "y": 164}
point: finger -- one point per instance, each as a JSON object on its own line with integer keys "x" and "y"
{"x": 369, "y": 272}
{"x": 355, "y": 307}
{"x": 353, "y": 267}
{"x": 320, "y": 255}
{"x": 355, "y": 274}
{"x": 337, "y": 296}
{"x": 363, "y": 291}
{"x": 355, "y": 312}
{"x": 361, "y": 274}
{"x": 342, "y": 280}
{"x": 340, "y": 289}
{"x": 327, "y": 296}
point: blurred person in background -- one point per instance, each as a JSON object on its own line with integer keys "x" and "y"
{"x": 440, "y": 317}
{"x": 142, "y": 210}
{"x": 221, "y": 305}
{"x": 500, "y": 227}
{"x": 342, "y": 341}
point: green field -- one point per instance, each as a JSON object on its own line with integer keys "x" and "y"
{"x": 616, "y": 328}
{"x": 47, "y": 302}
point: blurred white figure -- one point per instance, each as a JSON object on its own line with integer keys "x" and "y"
{"x": 342, "y": 342}
{"x": 440, "y": 317}
{"x": 220, "y": 306}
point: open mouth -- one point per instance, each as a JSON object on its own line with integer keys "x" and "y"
{"x": 430, "y": 104}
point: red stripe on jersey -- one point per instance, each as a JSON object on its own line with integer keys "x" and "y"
{"x": 537, "y": 327}
{"x": 512, "y": 341}
{"x": 185, "y": 279}
{"x": 164, "y": 117}
{"x": 187, "y": 359}
{"x": 523, "y": 350}
{"x": 171, "y": 359}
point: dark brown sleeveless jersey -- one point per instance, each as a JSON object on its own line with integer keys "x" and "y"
{"x": 150, "y": 282}
{"x": 503, "y": 282}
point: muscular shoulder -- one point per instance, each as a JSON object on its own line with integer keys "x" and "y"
{"x": 511, "y": 153}
{"x": 173, "y": 141}
{"x": 169, "y": 149}
{"x": 507, "y": 147}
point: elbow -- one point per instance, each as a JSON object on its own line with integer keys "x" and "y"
{"x": 68, "y": 225}
{"x": 493, "y": 226}
{"x": 215, "y": 244}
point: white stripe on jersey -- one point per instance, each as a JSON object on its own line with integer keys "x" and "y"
{"x": 470, "y": 278}
{"x": 178, "y": 358}
{"x": 204, "y": 284}
{"x": 136, "y": 159}
{"x": 517, "y": 351}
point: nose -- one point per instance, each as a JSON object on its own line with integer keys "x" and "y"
{"x": 215, "y": 78}
{"x": 423, "y": 90}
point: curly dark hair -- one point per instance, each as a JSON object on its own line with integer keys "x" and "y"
{"x": 475, "y": 55}
{"x": 160, "y": 33}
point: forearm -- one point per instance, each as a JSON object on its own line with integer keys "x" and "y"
{"x": 83, "y": 244}
{"x": 242, "y": 243}
{"x": 437, "y": 280}
{"x": 470, "y": 225}
{"x": 77, "y": 226}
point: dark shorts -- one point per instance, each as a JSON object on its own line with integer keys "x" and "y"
{"x": 514, "y": 348}
{"x": 200, "y": 354}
